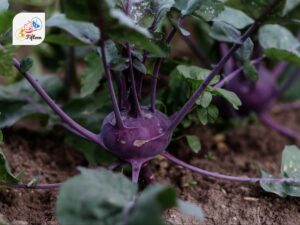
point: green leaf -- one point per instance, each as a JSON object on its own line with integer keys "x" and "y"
{"x": 161, "y": 8}
{"x": 150, "y": 205}
{"x": 63, "y": 39}
{"x": 279, "y": 43}
{"x": 255, "y": 7}
{"x": 1, "y": 136}
{"x": 94, "y": 197}
{"x": 92, "y": 74}
{"x": 289, "y": 6}
{"x": 290, "y": 167}
{"x": 225, "y": 32}
{"x": 5, "y": 172}
{"x": 187, "y": 7}
{"x": 194, "y": 143}
{"x": 6, "y": 65}
{"x": 245, "y": 52}
{"x": 205, "y": 99}
{"x": 20, "y": 100}
{"x": 190, "y": 209}
{"x": 250, "y": 71}
{"x": 3, "y": 5}
{"x": 208, "y": 115}
{"x": 209, "y": 9}
{"x": 26, "y": 64}
{"x": 230, "y": 96}
{"x": 83, "y": 31}
{"x": 234, "y": 17}
{"x": 195, "y": 73}
{"x": 6, "y": 19}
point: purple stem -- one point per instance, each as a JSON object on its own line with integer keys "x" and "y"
{"x": 278, "y": 70}
{"x": 226, "y": 177}
{"x": 197, "y": 52}
{"x": 158, "y": 64}
{"x": 189, "y": 104}
{"x": 286, "y": 106}
{"x": 229, "y": 66}
{"x": 37, "y": 187}
{"x": 81, "y": 130}
{"x": 136, "y": 169}
{"x": 128, "y": 7}
{"x": 111, "y": 88}
{"x": 115, "y": 165}
{"x": 233, "y": 74}
{"x": 133, "y": 84}
{"x": 267, "y": 120}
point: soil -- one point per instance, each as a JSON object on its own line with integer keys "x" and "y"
{"x": 235, "y": 152}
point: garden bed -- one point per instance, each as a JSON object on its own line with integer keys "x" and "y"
{"x": 237, "y": 152}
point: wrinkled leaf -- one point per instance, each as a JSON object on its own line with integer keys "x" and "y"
{"x": 94, "y": 197}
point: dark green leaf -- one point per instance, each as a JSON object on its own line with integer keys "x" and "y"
{"x": 26, "y": 64}
{"x": 20, "y": 100}
{"x": 6, "y": 66}
{"x": 94, "y": 197}
{"x": 289, "y": 6}
{"x": 194, "y": 143}
{"x": 63, "y": 39}
{"x": 92, "y": 74}
{"x": 234, "y": 17}
{"x": 230, "y": 96}
{"x": 151, "y": 204}
{"x": 250, "y": 71}
{"x": 225, "y": 32}
{"x": 208, "y": 115}
{"x": 6, "y": 19}
{"x": 245, "y": 52}
{"x": 279, "y": 44}
{"x": 83, "y": 31}
{"x": 1, "y": 136}
{"x": 161, "y": 8}
{"x": 187, "y": 7}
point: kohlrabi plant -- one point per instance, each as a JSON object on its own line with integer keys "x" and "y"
{"x": 128, "y": 40}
